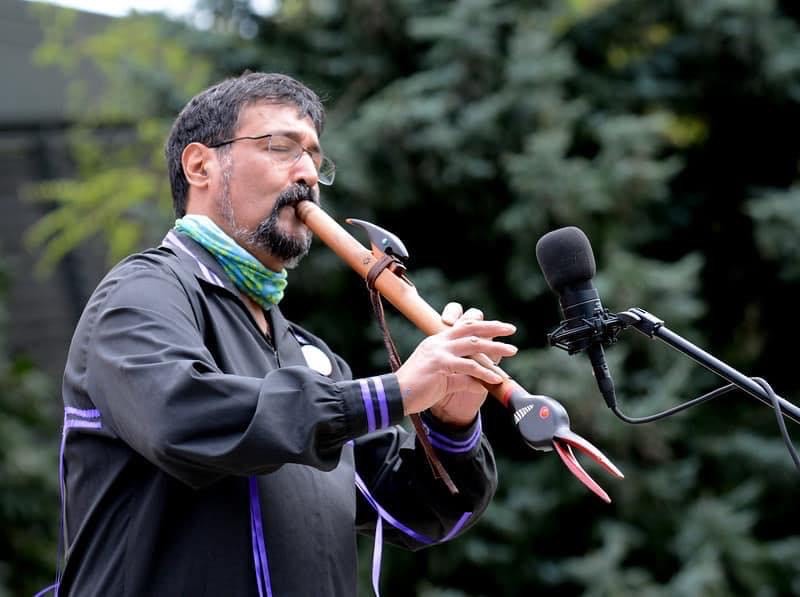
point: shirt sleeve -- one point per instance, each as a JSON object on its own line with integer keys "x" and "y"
{"x": 147, "y": 369}
{"x": 395, "y": 482}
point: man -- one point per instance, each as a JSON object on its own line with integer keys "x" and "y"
{"x": 213, "y": 448}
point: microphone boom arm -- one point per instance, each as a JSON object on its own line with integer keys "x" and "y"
{"x": 653, "y": 327}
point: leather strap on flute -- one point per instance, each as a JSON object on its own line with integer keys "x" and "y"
{"x": 388, "y": 261}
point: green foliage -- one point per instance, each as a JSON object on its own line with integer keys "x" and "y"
{"x": 472, "y": 127}
{"x": 28, "y": 479}
{"x": 121, "y": 185}
{"x": 777, "y": 220}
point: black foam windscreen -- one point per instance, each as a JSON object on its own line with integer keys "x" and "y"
{"x": 566, "y": 258}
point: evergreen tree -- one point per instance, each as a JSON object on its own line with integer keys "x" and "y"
{"x": 28, "y": 469}
{"x": 470, "y": 128}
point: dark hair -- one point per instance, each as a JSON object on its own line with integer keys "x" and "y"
{"x": 213, "y": 115}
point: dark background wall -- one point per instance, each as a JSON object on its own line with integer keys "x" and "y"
{"x": 34, "y": 122}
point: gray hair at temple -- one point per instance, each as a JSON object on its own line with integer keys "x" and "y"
{"x": 213, "y": 115}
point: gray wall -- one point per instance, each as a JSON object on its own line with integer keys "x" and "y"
{"x": 34, "y": 117}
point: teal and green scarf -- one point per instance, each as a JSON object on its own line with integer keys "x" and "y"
{"x": 249, "y": 275}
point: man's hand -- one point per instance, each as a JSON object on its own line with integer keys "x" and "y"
{"x": 440, "y": 374}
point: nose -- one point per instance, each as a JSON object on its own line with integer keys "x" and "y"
{"x": 304, "y": 170}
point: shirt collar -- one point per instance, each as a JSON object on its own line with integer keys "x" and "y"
{"x": 199, "y": 260}
{"x": 205, "y": 267}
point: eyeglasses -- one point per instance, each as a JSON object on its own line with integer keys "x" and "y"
{"x": 286, "y": 151}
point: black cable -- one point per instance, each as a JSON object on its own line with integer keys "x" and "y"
{"x": 674, "y": 409}
{"x": 713, "y": 394}
{"x": 781, "y": 423}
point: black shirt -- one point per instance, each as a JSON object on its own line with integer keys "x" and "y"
{"x": 201, "y": 457}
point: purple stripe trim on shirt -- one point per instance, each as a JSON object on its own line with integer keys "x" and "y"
{"x": 256, "y": 560}
{"x": 208, "y": 275}
{"x": 457, "y": 527}
{"x": 367, "y": 398}
{"x": 62, "y": 523}
{"x": 384, "y": 515}
{"x": 79, "y": 423}
{"x": 69, "y": 423}
{"x": 90, "y": 413}
{"x": 400, "y": 526}
{"x": 382, "y": 404}
{"x": 172, "y": 240}
{"x": 377, "y": 555}
{"x": 259, "y": 550}
{"x": 388, "y": 517}
{"x": 47, "y": 590}
{"x": 447, "y": 444}
{"x": 211, "y": 276}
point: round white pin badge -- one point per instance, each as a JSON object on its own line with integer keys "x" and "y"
{"x": 317, "y": 359}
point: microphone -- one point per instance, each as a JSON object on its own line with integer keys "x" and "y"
{"x": 567, "y": 262}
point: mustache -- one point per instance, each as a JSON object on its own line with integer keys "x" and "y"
{"x": 269, "y": 236}
{"x": 294, "y": 195}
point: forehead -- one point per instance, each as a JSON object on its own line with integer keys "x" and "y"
{"x": 261, "y": 117}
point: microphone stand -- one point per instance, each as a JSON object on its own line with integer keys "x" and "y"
{"x": 653, "y": 327}
{"x": 602, "y": 329}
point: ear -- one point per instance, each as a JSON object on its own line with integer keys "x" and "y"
{"x": 198, "y": 163}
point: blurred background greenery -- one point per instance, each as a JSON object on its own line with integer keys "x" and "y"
{"x": 666, "y": 129}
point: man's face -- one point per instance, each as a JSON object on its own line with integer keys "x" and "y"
{"x": 256, "y": 196}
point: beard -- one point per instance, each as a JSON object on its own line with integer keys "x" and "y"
{"x": 270, "y": 238}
